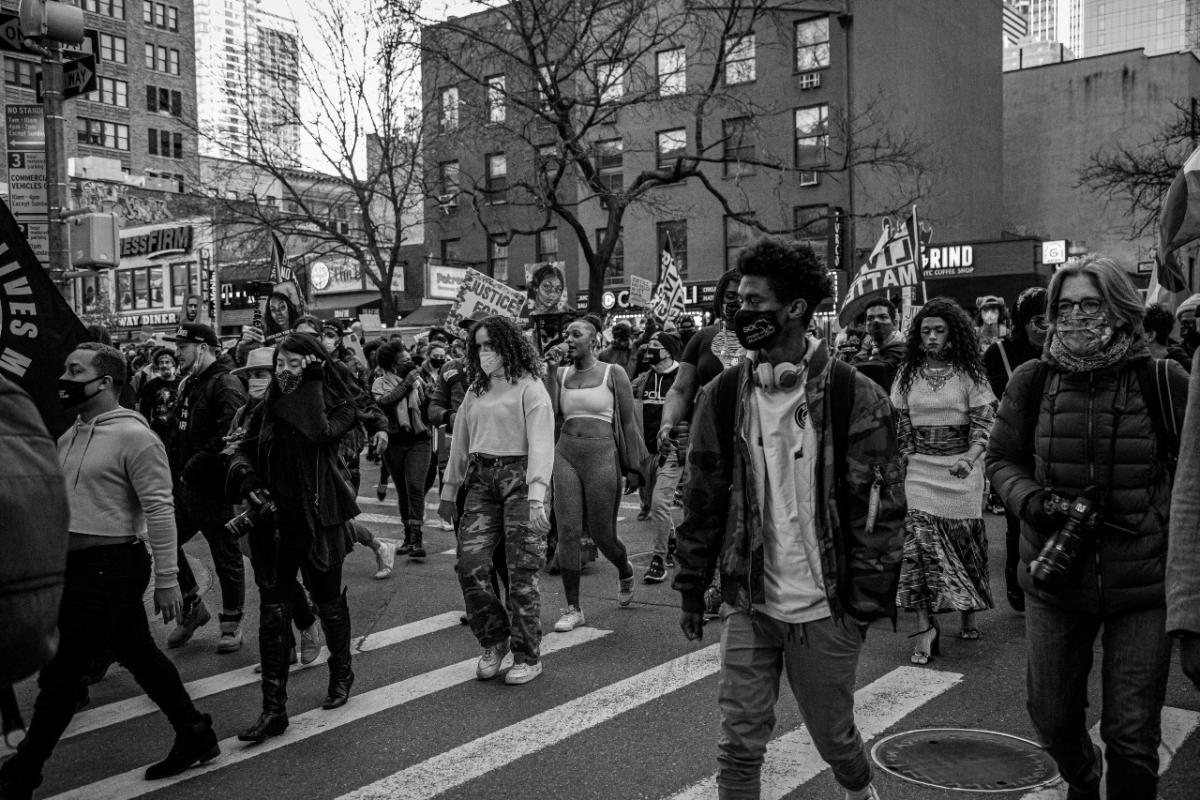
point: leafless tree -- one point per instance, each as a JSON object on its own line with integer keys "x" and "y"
{"x": 1139, "y": 173}
{"x": 578, "y": 74}
{"x": 359, "y": 194}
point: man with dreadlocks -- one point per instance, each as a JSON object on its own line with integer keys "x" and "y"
{"x": 503, "y": 451}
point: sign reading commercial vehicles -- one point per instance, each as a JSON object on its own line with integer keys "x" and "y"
{"x": 25, "y": 132}
{"x": 480, "y": 296}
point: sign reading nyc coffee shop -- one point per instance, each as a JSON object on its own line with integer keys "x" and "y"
{"x": 158, "y": 242}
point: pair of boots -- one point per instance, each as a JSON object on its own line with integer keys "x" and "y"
{"x": 275, "y": 646}
{"x": 414, "y": 544}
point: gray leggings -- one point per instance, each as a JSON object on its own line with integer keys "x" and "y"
{"x": 587, "y": 493}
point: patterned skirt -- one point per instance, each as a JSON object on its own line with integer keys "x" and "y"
{"x": 945, "y": 565}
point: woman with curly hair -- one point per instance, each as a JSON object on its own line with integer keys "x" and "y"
{"x": 600, "y": 440}
{"x": 945, "y": 411}
{"x": 503, "y": 451}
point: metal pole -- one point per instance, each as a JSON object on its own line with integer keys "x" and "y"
{"x": 56, "y": 160}
{"x": 846, "y": 21}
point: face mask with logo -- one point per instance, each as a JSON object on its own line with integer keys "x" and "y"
{"x": 74, "y": 393}
{"x": 491, "y": 363}
{"x": 258, "y": 387}
{"x": 756, "y": 329}
{"x": 990, "y": 316}
{"x": 1084, "y": 335}
{"x": 288, "y": 381}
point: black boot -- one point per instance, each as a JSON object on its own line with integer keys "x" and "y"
{"x": 194, "y": 744}
{"x": 275, "y": 649}
{"x": 417, "y": 550}
{"x": 335, "y": 619}
{"x": 406, "y": 546}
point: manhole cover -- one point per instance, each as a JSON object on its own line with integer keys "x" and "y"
{"x": 965, "y": 760}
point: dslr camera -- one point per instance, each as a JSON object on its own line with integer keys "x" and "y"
{"x": 1052, "y": 568}
{"x": 261, "y": 511}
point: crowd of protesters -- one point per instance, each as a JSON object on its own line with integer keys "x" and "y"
{"x": 823, "y": 486}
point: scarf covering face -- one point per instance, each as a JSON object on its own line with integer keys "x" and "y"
{"x": 1117, "y": 348}
{"x": 288, "y": 381}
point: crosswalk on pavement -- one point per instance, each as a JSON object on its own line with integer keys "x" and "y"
{"x": 611, "y": 706}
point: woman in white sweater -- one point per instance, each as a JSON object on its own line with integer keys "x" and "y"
{"x": 503, "y": 453}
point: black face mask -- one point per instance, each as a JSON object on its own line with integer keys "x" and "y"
{"x": 437, "y": 363}
{"x": 74, "y": 393}
{"x": 1192, "y": 338}
{"x": 756, "y": 329}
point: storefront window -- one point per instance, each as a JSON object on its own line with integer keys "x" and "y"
{"x": 141, "y": 294}
{"x": 156, "y": 287}
{"x": 184, "y": 281}
{"x": 124, "y": 290}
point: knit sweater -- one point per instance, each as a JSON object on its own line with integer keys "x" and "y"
{"x": 512, "y": 418}
{"x": 119, "y": 484}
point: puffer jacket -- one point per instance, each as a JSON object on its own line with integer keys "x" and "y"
{"x": 723, "y": 523}
{"x": 34, "y": 516}
{"x": 1093, "y": 429}
{"x": 205, "y": 409}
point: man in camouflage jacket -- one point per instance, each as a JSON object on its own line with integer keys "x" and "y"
{"x": 808, "y": 558}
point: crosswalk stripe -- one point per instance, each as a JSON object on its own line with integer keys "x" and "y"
{"x": 455, "y": 767}
{"x": 792, "y": 759}
{"x": 124, "y": 710}
{"x": 131, "y": 784}
{"x": 1177, "y": 725}
{"x": 380, "y": 519}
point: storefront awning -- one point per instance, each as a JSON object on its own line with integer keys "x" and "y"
{"x": 427, "y": 316}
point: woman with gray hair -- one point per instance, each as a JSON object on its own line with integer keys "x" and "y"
{"x": 1082, "y": 451}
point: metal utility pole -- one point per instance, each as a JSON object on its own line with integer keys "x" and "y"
{"x": 56, "y": 160}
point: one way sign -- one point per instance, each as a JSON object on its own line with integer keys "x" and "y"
{"x": 79, "y": 77}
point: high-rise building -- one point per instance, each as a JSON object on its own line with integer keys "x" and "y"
{"x": 1096, "y": 27}
{"x": 241, "y": 51}
{"x": 1016, "y": 22}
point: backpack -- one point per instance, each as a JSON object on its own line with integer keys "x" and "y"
{"x": 1156, "y": 389}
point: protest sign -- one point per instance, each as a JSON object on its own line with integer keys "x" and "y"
{"x": 640, "y": 291}
{"x": 480, "y": 296}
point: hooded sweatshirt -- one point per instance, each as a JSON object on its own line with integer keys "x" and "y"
{"x": 119, "y": 484}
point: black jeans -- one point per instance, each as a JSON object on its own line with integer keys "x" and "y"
{"x": 409, "y": 464}
{"x": 101, "y": 609}
{"x": 276, "y": 563}
{"x": 227, "y": 558}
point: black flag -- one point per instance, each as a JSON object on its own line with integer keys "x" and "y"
{"x": 38, "y": 330}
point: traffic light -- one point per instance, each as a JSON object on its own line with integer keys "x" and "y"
{"x": 52, "y": 20}
{"x": 95, "y": 241}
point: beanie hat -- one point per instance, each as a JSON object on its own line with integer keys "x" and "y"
{"x": 669, "y": 342}
{"x": 1192, "y": 304}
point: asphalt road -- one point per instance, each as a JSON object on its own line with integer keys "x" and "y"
{"x": 626, "y": 707}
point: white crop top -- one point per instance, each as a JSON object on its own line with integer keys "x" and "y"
{"x": 593, "y": 403}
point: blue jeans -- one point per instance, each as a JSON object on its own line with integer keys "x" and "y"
{"x": 1136, "y": 662}
{"x": 821, "y": 659}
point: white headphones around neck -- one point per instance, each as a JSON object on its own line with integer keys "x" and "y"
{"x": 784, "y": 376}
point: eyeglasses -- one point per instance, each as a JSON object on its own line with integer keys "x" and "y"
{"x": 1088, "y": 305}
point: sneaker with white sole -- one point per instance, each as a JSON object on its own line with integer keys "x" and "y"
{"x": 522, "y": 673}
{"x": 571, "y": 619}
{"x": 656, "y": 572}
{"x": 625, "y": 592}
{"x": 492, "y": 661}
{"x": 310, "y": 643}
{"x": 385, "y": 559}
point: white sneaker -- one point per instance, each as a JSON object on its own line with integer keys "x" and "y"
{"x": 492, "y": 661}
{"x": 385, "y": 558}
{"x": 310, "y": 643}
{"x": 866, "y": 793}
{"x": 625, "y": 592}
{"x": 570, "y": 620}
{"x": 523, "y": 673}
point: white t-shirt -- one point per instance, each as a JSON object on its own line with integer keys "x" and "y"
{"x": 785, "y": 482}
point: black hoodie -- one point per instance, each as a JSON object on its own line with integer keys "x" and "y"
{"x": 206, "y": 408}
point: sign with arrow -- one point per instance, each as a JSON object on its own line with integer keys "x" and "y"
{"x": 79, "y": 77}
{"x": 10, "y": 33}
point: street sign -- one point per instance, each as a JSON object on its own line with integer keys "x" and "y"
{"x": 27, "y": 183}
{"x": 38, "y": 236}
{"x": 25, "y": 127}
{"x": 10, "y": 33}
{"x": 79, "y": 77}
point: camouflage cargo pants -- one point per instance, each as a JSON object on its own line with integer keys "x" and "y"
{"x": 496, "y": 505}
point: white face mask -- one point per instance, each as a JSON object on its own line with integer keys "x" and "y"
{"x": 258, "y": 387}
{"x": 990, "y": 316}
{"x": 491, "y": 363}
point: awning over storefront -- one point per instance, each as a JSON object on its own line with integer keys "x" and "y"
{"x": 432, "y": 315}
